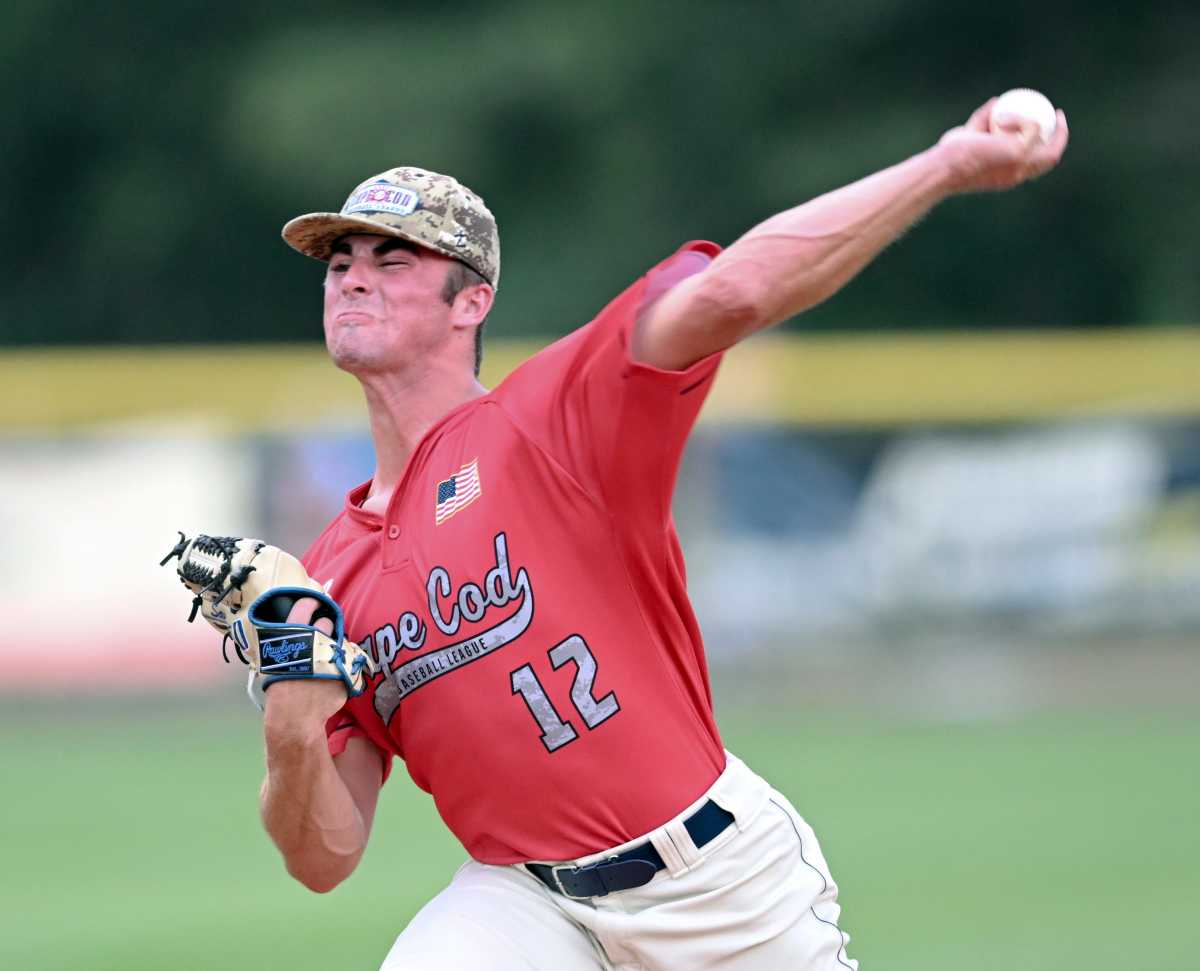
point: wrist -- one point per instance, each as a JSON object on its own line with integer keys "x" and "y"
{"x": 290, "y": 722}
{"x": 949, "y": 168}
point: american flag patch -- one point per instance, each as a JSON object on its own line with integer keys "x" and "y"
{"x": 457, "y": 492}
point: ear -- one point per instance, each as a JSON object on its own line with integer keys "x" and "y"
{"x": 472, "y": 305}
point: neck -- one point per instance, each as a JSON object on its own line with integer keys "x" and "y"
{"x": 402, "y": 408}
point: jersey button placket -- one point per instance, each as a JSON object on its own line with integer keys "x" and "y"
{"x": 393, "y": 553}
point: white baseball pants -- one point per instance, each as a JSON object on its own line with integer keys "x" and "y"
{"x": 758, "y": 897}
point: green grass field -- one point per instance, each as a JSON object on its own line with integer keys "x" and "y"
{"x": 131, "y": 842}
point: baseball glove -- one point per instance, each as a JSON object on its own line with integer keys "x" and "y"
{"x": 246, "y": 588}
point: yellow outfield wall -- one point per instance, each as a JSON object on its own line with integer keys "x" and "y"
{"x": 820, "y": 380}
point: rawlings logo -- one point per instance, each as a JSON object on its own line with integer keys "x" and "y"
{"x": 281, "y": 651}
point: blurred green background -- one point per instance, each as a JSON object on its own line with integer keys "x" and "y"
{"x": 963, "y": 640}
{"x": 154, "y": 150}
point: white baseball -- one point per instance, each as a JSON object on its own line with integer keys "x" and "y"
{"x": 1021, "y": 106}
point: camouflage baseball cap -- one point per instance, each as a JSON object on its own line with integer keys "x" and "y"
{"x": 423, "y": 207}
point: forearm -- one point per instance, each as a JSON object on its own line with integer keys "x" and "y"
{"x": 802, "y": 256}
{"x": 307, "y": 808}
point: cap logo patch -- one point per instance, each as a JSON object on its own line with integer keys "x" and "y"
{"x": 383, "y": 197}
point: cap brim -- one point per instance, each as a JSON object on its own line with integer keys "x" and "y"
{"x": 314, "y": 234}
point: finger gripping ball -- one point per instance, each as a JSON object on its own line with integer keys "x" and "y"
{"x": 1019, "y": 107}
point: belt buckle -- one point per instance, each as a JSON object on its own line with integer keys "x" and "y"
{"x": 554, "y": 871}
{"x": 581, "y": 869}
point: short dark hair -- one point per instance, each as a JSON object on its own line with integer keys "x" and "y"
{"x": 459, "y": 277}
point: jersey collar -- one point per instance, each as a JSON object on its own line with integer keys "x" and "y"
{"x": 354, "y": 511}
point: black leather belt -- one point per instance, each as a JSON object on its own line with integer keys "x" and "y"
{"x": 633, "y": 868}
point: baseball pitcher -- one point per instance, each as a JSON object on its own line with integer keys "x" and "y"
{"x": 503, "y": 605}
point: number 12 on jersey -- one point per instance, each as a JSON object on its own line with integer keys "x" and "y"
{"x": 555, "y": 732}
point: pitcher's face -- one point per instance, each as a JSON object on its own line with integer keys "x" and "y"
{"x": 383, "y": 303}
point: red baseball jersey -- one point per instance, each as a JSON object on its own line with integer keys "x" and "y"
{"x": 524, "y": 596}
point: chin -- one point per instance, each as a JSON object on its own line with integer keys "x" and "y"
{"x": 357, "y": 356}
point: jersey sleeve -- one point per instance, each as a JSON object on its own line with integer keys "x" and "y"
{"x": 342, "y": 727}
{"x": 616, "y": 425}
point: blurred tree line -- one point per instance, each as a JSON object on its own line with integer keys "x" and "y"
{"x": 153, "y": 150}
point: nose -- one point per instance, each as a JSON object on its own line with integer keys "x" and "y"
{"x": 355, "y": 280}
